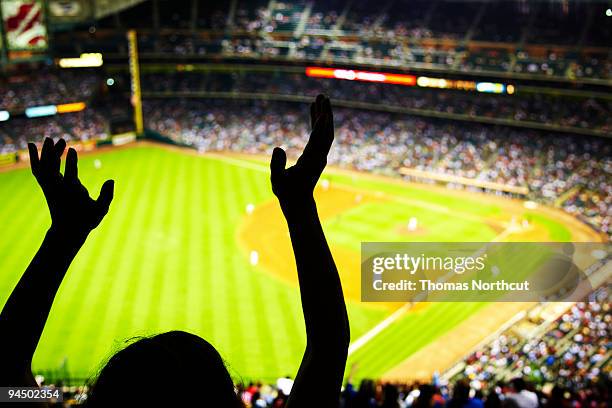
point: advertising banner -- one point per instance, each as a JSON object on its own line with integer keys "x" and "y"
{"x": 24, "y": 25}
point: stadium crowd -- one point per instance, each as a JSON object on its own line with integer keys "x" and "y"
{"x": 73, "y": 127}
{"x": 534, "y": 39}
{"x": 550, "y": 165}
{"x": 47, "y": 86}
{"x": 54, "y": 86}
{"x": 573, "y": 354}
{"x": 388, "y": 52}
{"x": 585, "y": 113}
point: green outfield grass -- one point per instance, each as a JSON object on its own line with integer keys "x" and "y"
{"x": 167, "y": 258}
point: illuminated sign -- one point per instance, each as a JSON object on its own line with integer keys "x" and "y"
{"x": 71, "y": 107}
{"x": 86, "y": 60}
{"x": 366, "y": 76}
{"x": 24, "y": 24}
{"x": 38, "y": 111}
{"x": 490, "y": 87}
{"x": 409, "y": 80}
{"x": 441, "y": 83}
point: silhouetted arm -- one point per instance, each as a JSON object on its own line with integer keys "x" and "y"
{"x": 73, "y": 215}
{"x": 319, "y": 378}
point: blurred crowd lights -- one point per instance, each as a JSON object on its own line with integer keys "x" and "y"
{"x": 410, "y": 80}
{"x": 50, "y": 110}
{"x": 86, "y": 60}
{"x": 366, "y": 76}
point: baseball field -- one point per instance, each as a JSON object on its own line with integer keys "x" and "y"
{"x": 198, "y": 243}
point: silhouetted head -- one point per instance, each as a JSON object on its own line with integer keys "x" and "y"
{"x": 518, "y": 384}
{"x": 461, "y": 391}
{"x": 390, "y": 396}
{"x": 169, "y": 369}
{"x": 426, "y": 393}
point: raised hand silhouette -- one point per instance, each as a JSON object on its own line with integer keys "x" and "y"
{"x": 73, "y": 216}
{"x": 72, "y": 210}
{"x": 297, "y": 183}
{"x": 327, "y": 328}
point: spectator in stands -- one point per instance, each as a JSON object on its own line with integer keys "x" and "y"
{"x": 521, "y": 395}
{"x": 461, "y": 397}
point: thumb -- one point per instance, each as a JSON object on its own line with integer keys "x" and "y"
{"x": 278, "y": 161}
{"x": 106, "y": 196}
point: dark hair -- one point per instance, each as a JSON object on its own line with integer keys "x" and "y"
{"x": 174, "y": 369}
{"x": 390, "y": 396}
{"x": 518, "y": 384}
{"x": 461, "y": 394}
{"x": 426, "y": 393}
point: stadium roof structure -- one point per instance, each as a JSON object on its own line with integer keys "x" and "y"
{"x": 83, "y": 10}
{"x": 104, "y": 8}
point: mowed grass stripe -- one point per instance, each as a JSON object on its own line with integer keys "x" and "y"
{"x": 122, "y": 301}
{"x": 107, "y": 248}
{"x": 31, "y": 229}
{"x": 220, "y": 324}
{"x": 184, "y": 195}
{"x": 234, "y": 292}
{"x": 140, "y": 247}
{"x": 141, "y": 282}
{"x": 207, "y": 251}
{"x": 17, "y": 188}
{"x": 27, "y": 219}
{"x": 172, "y": 312}
{"x": 161, "y": 245}
{"x": 193, "y": 223}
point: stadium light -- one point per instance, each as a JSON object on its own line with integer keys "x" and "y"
{"x": 4, "y": 116}
{"x": 365, "y": 76}
{"x": 87, "y": 60}
{"x": 38, "y": 111}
